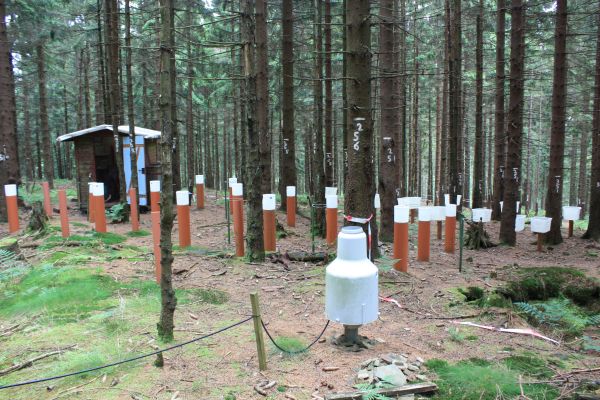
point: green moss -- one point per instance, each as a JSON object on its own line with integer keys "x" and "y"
{"x": 289, "y": 344}
{"x": 140, "y": 233}
{"x": 530, "y": 364}
{"x": 479, "y": 379}
{"x": 109, "y": 238}
{"x": 472, "y": 293}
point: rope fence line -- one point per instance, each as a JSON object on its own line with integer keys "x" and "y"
{"x": 293, "y": 351}
{"x": 33, "y": 381}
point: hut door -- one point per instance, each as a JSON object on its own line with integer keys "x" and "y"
{"x": 141, "y": 172}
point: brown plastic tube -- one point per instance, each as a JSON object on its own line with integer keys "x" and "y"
{"x": 12, "y": 209}
{"x": 401, "y": 246}
{"x": 91, "y": 206}
{"x": 100, "y": 214}
{"x": 238, "y": 224}
{"x": 183, "y": 219}
{"x": 154, "y": 201}
{"x": 331, "y": 224}
{"x": 291, "y": 211}
{"x": 424, "y": 240}
{"x": 450, "y": 235}
{"x": 269, "y": 230}
{"x": 199, "y": 196}
{"x": 64, "y": 213}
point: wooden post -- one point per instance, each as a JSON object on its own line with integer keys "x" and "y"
{"x": 260, "y": 341}
{"x": 64, "y": 213}
{"x": 291, "y": 205}
{"x": 439, "y": 230}
{"x": 331, "y": 219}
{"x": 183, "y": 218}
{"x": 450, "y": 228}
{"x": 199, "y": 192}
{"x": 156, "y": 243}
{"x": 12, "y": 207}
{"x": 154, "y": 195}
{"x": 47, "y": 202}
{"x": 401, "y": 218}
{"x": 413, "y": 214}
{"x": 540, "y": 241}
{"x": 133, "y": 206}
{"x": 570, "y": 228}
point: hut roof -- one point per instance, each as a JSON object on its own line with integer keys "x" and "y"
{"x": 123, "y": 129}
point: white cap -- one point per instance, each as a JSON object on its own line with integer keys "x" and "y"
{"x": 199, "y": 179}
{"x": 10, "y": 190}
{"x": 232, "y": 181}
{"x": 183, "y": 197}
{"x": 331, "y": 201}
{"x": 377, "y": 201}
{"x": 237, "y": 189}
{"x": 458, "y": 196}
{"x": 446, "y": 199}
{"x": 439, "y": 213}
{"x": 290, "y": 191}
{"x": 268, "y": 202}
{"x": 330, "y": 191}
{"x": 450, "y": 210}
{"x": 155, "y": 186}
{"x": 401, "y": 214}
{"x": 98, "y": 189}
{"x": 414, "y": 202}
{"x": 403, "y": 201}
{"x": 425, "y": 214}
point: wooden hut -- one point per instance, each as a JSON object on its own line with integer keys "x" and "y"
{"x": 96, "y": 161}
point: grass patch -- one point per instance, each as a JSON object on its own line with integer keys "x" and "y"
{"x": 210, "y": 296}
{"x": 529, "y": 364}
{"x": 289, "y": 344}
{"x": 140, "y": 233}
{"x": 479, "y": 379}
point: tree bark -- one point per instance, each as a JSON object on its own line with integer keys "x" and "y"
{"x": 455, "y": 101}
{"x": 44, "y": 128}
{"x": 9, "y": 153}
{"x": 583, "y": 157}
{"x": 401, "y": 159}
{"x": 557, "y": 133}
{"x": 499, "y": 138}
{"x": 287, "y": 158}
{"x": 593, "y": 231}
{"x": 167, "y": 54}
{"x": 479, "y": 149}
{"x": 387, "y": 120}
{"x": 318, "y": 166}
{"x": 130, "y": 108}
{"x": 360, "y": 185}
{"x": 189, "y": 118}
{"x": 512, "y": 177}
{"x": 27, "y": 138}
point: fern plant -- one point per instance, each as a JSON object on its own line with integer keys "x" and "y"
{"x": 559, "y": 313}
{"x": 369, "y": 392}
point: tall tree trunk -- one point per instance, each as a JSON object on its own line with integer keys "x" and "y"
{"x": 455, "y": 100}
{"x": 65, "y": 145}
{"x": 189, "y": 120}
{"x": 512, "y": 177}
{"x": 499, "y": 134}
{"x": 401, "y": 159}
{"x": 479, "y": 150}
{"x": 287, "y": 158}
{"x": 9, "y": 153}
{"x": 167, "y": 54}
{"x": 583, "y": 157}
{"x": 557, "y": 133}
{"x": 44, "y": 128}
{"x": 330, "y": 155}
{"x": 318, "y": 168}
{"x": 360, "y": 185}
{"x": 130, "y": 109}
{"x": 27, "y": 138}
{"x": 415, "y": 142}
{"x": 113, "y": 57}
{"x": 573, "y": 170}
{"x": 86, "y": 87}
{"x": 255, "y": 162}
{"x": 387, "y": 121}
{"x": 593, "y": 231}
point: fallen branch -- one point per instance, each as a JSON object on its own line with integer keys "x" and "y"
{"x": 29, "y": 363}
{"x": 577, "y": 371}
{"x": 518, "y": 331}
{"x": 425, "y": 387}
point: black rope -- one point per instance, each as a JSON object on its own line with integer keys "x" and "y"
{"x": 294, "y": 351}
{"x": 124, "y": 361}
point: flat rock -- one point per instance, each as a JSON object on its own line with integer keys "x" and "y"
{"x": 391, "y": 374}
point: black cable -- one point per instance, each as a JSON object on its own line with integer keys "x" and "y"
{"x": 295, "y": 351}
{"x": 124, "y": 361}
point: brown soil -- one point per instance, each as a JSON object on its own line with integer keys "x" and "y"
{"x": 292, "y": 302}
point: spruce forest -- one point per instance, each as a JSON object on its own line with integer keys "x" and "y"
{"x": 300, "y": 199}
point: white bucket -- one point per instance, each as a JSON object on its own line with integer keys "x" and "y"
{"x": 540, "y": 224}
{"x": 482, "y": 215}
{"x": 519, "y": 222}
{"x": 571, "y": 213}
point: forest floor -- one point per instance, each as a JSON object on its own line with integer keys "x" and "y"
{"x": 93, "y": 299}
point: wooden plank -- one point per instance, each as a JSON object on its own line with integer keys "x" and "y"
{"x": 423, "y": 387}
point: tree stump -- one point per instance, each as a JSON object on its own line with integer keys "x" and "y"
{"x": 38, "y": 222}
{"x": 476, "y": 237}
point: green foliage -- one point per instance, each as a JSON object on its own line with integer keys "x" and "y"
{"x": 369, "y": 392}
{"x": 479, "y": 379}
{"x": 560, "y": 314}
{"x": 289, "y": 344}
{"x": 472, "y": 293}
{"x": 530, "y": 364}
{"x": 118, "y": 213}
